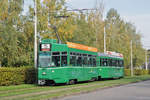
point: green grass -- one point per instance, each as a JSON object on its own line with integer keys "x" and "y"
{"x": 34, "y": 92}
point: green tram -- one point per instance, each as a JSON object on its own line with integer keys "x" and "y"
{"x": 70, "y": 63}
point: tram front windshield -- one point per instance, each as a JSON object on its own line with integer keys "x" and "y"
{"x": 44, "y": 60}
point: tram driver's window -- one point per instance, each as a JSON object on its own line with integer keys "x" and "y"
{"x": 56, "y": 59}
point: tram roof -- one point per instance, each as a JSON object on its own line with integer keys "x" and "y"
{"x": 81, "y": 47}
{"x": 107, "y": 55}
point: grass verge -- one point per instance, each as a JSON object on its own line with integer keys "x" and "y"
{"x": 33, "y": 92}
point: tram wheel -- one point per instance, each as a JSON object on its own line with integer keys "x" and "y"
{"x": 93, "y": 79}
{"x": 71, "y": 82}
{"x": 50, "y": 83}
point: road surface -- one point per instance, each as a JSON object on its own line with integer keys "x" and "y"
{"x": 135, "y": 91}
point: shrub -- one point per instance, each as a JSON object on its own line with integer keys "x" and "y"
{"x": 136, "y": 72}
{"x": 127, "y": 72}
{"x": 15, "y": 76}
{"x": 30, "y": 75}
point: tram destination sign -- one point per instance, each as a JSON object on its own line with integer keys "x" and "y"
{"x": 45, "y": 47}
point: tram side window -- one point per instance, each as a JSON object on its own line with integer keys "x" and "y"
{"x": 85, "y": 61}
{"x": 100, "y": 61}
{"x": 56, "y": 59}
{"x": 79, "y": 61}
{"x": 110, "y": 62}
{"x": 121, "y": 63}
{"x": 113, "y": 62}
{"x": 73, "y": 60}
{"x": 64, "y": 60}
{"x": 90, "y": 63}
{"x": 94, "y": 62}
{"x": 104, "y": 62}
{"x": 116, "y": 63}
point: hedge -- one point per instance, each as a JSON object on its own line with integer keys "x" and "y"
{"x": 16, "y": 76}
{"x": 21, "y": 75}
{"x": 127, "y": 72}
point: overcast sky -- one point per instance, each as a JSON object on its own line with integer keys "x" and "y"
{"x": 135, "y": 11}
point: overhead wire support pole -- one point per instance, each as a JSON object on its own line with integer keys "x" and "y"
{"x": 104, "y": 40}
{"x": 146, "y": 65}
{"x": 35, "y": 34}
{"x": 104, "y": 37}
{"x": 131, "y": 60}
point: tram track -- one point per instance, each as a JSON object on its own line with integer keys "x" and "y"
{"x": 47, "y": 92}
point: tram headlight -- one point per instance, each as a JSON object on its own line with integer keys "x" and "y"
{"x": 44, "y": 73}
{"x": 53, "y": 71}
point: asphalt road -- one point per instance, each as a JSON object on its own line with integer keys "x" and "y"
{"x": 135, "y": 91}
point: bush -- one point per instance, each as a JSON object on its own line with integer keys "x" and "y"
{"x": 127, "y": 72}
{"x": 30, "y": 75}
{"x": 15, "y": 76}
{"x": 137, "y": 72}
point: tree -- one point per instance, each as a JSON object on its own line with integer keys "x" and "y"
{"x": 9, "y": 22}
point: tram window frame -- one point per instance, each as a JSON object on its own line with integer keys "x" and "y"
{"x": 122, "y": 63}
{"x": 97, "y": 62}
{"x": 63, "y": 53}
{"x": 100, "y": 61}
{"x": 94, "y": 61}
{"x": 90, "y": 62}
{"x": 113, "y": 62}
{"x": 79, "y": 62}
{"x": 64, "y": 59}
{"x": 55, "y": 56}
{"x": 85, "y": 61}
{"x": 110, "y": 62}
{"x": 119, "y": 63}
{"x": 116, "y": 63}
{"x": 104, "y": 62}
{"x": 73, "y": 55}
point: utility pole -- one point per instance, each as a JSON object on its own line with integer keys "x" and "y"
{"x": 131, "y": 61}
{"x": 146, "y": 65}
{"x": 35, "y": 34}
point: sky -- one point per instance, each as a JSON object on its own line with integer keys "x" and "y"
{"x": 135, "y": 11}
